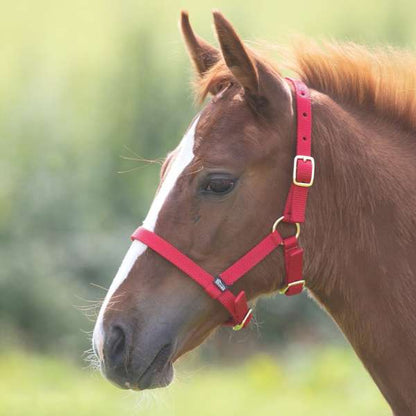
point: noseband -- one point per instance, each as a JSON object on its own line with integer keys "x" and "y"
{"x": 218, "y": 287}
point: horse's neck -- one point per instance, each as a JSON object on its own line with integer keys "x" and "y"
{"x": 360, "y": 243}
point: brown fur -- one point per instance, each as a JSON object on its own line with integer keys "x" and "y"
{"x": 359, "y": 233}
{"x": 383, "y": 79}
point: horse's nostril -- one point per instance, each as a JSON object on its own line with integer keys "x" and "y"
{"x": 119, "y": 342}
{"x": 115, "y": 347}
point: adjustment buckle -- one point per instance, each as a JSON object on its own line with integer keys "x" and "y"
{"x": 295, "y": 171}
{"x": 242, "y": 324}
{"x": 291, "y": 284}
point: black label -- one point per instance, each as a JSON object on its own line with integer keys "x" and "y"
{"x": 220, "y": 284}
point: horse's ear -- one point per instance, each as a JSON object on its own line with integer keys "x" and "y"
{"x": 202, "y": 54}
{"x": 236, "y": 56}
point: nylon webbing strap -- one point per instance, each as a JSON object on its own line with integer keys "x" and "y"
{"x": 303, "y": 164}
{"x": 216, "y": 287}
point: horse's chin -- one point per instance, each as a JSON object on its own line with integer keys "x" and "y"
{"x": 159, "y": 373}
{"x": 155, "y": 379}
{"x": 149, "y": 380}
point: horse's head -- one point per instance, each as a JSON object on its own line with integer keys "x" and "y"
{"x": 221, "y": 190}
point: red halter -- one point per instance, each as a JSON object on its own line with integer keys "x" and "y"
{"x": 218, "y": 287}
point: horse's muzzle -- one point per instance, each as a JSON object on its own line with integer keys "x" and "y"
{"x": 135, "y": 367}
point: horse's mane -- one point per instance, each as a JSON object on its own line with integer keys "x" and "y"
{"x": 381, "y": 79}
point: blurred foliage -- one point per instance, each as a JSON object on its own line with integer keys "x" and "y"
{"x": 329, "y": 382}
{"x": 83, "y": 83}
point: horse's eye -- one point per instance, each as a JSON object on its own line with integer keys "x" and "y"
{"x": 219, "y": 185}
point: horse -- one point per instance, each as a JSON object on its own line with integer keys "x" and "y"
{"x": 225, "y": 185}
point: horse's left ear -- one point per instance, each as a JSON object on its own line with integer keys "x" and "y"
{"x": 262, "y": 83}
{"x": 236, "y": 56}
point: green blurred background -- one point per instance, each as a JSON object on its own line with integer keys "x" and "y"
{"x": 87, "y": 89}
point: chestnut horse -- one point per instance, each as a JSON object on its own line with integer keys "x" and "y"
{"x": 226, "y": 183}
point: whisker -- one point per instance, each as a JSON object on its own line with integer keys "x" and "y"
{"x": 139, "y": 158}
{"x": 95, "y": 301}
{"x": 89, "y": 356}
{"x": 130, "y": 170}
{"x": 99, "y": 286}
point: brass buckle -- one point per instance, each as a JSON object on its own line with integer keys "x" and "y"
{"x": 295, "y": 171}
{"x": 243, "y": 322}
{"x": 279, "y": 220}
{"x": 289, "y": 285}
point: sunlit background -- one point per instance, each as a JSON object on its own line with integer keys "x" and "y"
{"x": 88, "y": 89}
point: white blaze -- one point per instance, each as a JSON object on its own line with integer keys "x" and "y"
{"x": 182, "y": 159}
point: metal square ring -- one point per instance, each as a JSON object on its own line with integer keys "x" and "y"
{"x": 295, "y": 170}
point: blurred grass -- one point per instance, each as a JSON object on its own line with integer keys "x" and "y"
{"x": 328, "y": 382}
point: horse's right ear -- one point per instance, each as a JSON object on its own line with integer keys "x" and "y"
{"x": 202, "y": 54}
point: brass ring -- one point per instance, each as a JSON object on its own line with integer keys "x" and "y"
{"x": 243, "y": 322}
{"x": 279, "y": 220}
